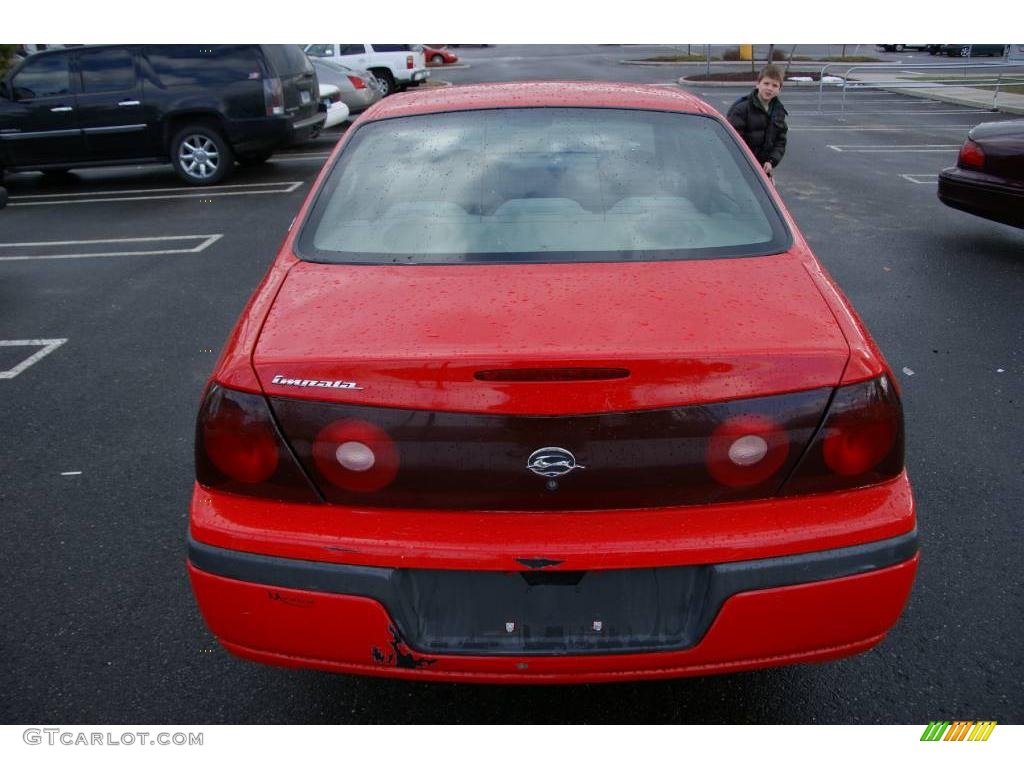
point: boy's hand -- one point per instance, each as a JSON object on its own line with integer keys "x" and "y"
{"x": 768, "y": 167}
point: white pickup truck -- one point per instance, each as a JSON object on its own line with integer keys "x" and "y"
{"x": 396, "y": 66}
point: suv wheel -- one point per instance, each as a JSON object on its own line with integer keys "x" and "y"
{"x": 200, "y": 154}
{"x": 387, "y": 81}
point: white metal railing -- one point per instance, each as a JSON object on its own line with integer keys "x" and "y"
{"x": 1016, "y": 78}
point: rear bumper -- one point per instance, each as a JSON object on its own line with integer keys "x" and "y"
{"x": 982, "y": 195}
{"x": 739, "y": 586}
{"x": 755, "y": 627}
{"x": 268, "y": 133}
{"x": 412, "y": 76}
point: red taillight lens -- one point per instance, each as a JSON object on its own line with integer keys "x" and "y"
{"x": 355, "y": 455}
{"x": 239, "y": 445}
{"x": 408, "y": 62}
{"x": 746, "y": 450}
{"x": 860, "y": 442}
{"x": 357, "y": 82}
{"x": 273, "y": 96}
{"x": 239, "y": 449}
{"x": 971, "y": 156}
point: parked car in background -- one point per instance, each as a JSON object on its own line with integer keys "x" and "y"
{"x": 557, "y": 393}
{"x": 396, "y": 66}
{"x": 359, "y": 88}
{"x": 438, "y": 56}
{"x": 988, "y": 179}
{"x": 200, "y": 108}
{"x": 332, "y": 105}
{"x": 977, "y": 49}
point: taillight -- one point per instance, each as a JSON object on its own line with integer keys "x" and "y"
{"x": 971, "y": 156}
{"x": 357, "y": 82}
{"x": 355, "y": 455}
{"x": 273, "y": 96}
{"x": 408, "y": 62}
{"x": 238, "y": 449}
{"x": 746, "y": 450}
{"x": 859, "y": 443}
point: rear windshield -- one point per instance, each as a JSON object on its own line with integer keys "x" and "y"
{"x": 287, "y": 60}
{"x": 201, "y": 65}
{"x": 541, "y": 184}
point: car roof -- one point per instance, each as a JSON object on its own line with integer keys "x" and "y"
{"x": 540, "y": 94}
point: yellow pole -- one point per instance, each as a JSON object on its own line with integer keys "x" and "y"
{"x": 746, "y": 52}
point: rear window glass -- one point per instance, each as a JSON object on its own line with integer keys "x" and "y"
{"x": 110, "y": 69}
{"x": 202, "y": 64}
{"x": 389, "y": 47}
{"x": 287, "y": 60}
{"x": 320, "y": 49}
{"x": 542, "y": 184}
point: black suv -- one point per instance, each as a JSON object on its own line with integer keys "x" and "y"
{"x": 198, "y": 107}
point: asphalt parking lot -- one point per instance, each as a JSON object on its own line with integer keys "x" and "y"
{"x": 118, "y": 289}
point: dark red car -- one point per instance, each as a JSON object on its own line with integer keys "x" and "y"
{"x": 438, "y": 56}
{"x": 988, "y": 179}
{"x": 591, "y": 412}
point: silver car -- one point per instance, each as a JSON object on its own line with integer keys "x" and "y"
{"x": 359, "y": 89}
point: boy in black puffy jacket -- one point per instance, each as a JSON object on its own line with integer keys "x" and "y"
{"x": 760, "y": 119}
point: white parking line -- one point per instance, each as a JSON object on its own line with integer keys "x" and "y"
{"x": 921, "y": 178}
{"x": 207, "y": 241}
{"x": 284, "y": 187}
{"x": 298, "y": 158}
{"x": 893, "y": 147}
{"x": 293, "y": 155}
{"x": 48, "y": 345}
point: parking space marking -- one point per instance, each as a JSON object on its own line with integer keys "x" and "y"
{"x": 206, "y": 242}
{"x": 893, "y": 147}
{"x": 283, "y": 188}
{"x": 921, "y": 178}
{"x": 298, "y": 158}
{"x": 48, "y": 345}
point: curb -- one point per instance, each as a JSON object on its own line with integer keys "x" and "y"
{"x": 748, "y": 84}
{"x": 959, "y": 101}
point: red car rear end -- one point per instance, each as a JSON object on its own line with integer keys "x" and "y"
{"x": 593, "y": 412}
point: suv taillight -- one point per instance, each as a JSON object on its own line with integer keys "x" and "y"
{"x": 971, "y": 156}
{"x": 357, "y": 82}
{"x": 408, "y": 62}
{"x": 273, "y": 96}
{"x": 238, "y": 449}
{"x": 860, "y": 442}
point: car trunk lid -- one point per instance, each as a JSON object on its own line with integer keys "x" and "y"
{"x": 477, "y": 338}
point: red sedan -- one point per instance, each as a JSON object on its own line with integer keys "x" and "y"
{"x": 591, "y": 412}
{"x": 438, "y": 56}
